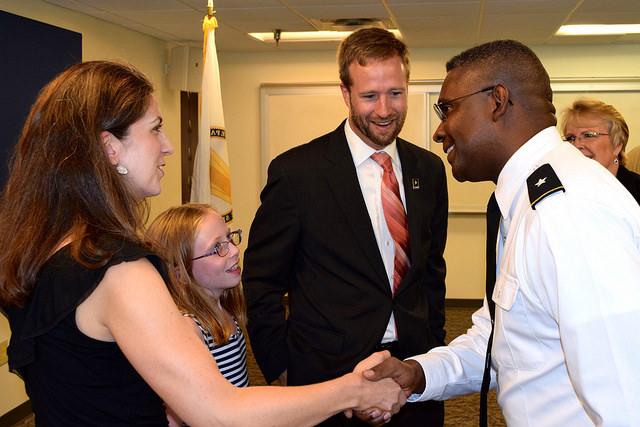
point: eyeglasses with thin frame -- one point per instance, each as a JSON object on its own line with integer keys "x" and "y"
{"x": 587, "y": 135}
{"x": 442, "y": 108}
{"x": 222, "y": 248}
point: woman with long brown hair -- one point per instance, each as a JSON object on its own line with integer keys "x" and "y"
{"x": 96, "y": 335}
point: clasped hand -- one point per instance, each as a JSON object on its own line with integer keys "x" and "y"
{"x": 382, "y": 367}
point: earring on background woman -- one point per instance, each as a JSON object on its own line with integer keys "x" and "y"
{"x": 122, "y": 170}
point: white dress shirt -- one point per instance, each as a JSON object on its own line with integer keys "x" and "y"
{"x": 567, "y": 294}
{"x": 370, "y": 179}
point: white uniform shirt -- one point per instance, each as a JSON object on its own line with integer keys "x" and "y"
{"x": 370, "y": 179}
{"x": 567, "y": 337}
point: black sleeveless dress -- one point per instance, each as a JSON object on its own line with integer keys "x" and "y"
{"x": 72, "y": 379}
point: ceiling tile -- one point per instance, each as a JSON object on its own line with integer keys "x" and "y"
{"x": 600, "y": 6}
{"x": 229, "y": 4}
{"x": 435, "y": 32}
{"x": 424, "y": 23}
{"x": 431, "y": 3}
{"x": 529, "y": 7}
{"x": 438, "y": 10}
{"x": 322, "y": 3}
{"x": 345, "y": 11}
{"x": 530, "y": 29}
{"x": 255, "y": 20}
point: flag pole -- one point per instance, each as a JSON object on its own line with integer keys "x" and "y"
{"x": 211, "y": 181}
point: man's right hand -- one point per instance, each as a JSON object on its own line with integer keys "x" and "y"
{"x": 407, "y": 374}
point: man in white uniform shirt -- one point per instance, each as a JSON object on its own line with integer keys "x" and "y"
{"x": 567, "y": 294}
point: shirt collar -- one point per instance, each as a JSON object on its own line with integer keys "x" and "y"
{"x": 521, "y": 164}
{"x": 360, "y": 151}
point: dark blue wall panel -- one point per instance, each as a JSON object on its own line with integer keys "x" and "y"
{"x": 31, "y": 54}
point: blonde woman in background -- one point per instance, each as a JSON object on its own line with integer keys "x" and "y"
{"x": 600, "y": 132}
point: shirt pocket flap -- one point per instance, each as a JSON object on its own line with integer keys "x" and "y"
{"x": 505, "y": 292}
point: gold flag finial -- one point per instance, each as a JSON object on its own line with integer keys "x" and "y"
{"x": 210, "y": 22}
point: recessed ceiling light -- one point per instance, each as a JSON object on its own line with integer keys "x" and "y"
{"x": 307, "y": 36}
{"x": 598, "y": 30}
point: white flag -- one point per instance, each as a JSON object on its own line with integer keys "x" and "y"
{"x": 211, "y": 181}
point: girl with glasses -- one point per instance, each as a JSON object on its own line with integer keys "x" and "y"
{"x": 203, "y": 262}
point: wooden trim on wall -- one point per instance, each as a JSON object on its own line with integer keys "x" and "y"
{"x": 188, "y": 139}
{"x": 16, "y": 415}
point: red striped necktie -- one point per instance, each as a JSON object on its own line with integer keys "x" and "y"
{"x": 395, "y": 217}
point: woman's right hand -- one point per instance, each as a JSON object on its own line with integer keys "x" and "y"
{"x": 384, "y": 397}
{"x": 375, "y": 415}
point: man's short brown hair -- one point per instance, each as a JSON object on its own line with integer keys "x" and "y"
{"x": 370, "y": 44}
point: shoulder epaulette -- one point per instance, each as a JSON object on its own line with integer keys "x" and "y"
{"x": 542, "y": 182}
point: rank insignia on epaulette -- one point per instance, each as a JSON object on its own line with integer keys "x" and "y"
{"x": 542, "y": 182}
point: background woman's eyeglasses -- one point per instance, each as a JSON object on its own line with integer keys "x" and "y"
{"x": 587, "y": 135}
{"x": 222, "y": 248}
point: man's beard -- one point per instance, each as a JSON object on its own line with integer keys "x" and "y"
{"x": 363, "y": 125}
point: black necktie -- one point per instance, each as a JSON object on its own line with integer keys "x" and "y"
{"x": 493, "y": 221}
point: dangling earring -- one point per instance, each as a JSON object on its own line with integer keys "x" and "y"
{"x": 615, "y": 161}
{"x": 122, "y": 170}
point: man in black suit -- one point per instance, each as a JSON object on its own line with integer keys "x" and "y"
{"x": 322, "y": 235}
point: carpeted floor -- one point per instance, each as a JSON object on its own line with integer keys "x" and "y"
{"x": 460, "y": 412}
{"x": 464, "y": 411}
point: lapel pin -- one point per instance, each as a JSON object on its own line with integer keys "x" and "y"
{"x": 415, "y": 183}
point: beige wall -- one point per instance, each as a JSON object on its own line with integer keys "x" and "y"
{"x": 241, "y": 76}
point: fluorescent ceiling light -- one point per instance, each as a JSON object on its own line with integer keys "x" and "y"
{"x": 307, "y": 36}
{"x": 598, "y": 30}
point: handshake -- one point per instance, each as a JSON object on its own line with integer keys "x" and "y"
{"x": 387, "y": 383}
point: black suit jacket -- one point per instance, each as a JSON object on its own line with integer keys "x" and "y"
{"x": 312, "y": 237}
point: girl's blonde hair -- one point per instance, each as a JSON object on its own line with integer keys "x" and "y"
{"x": 173, "y": 234}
